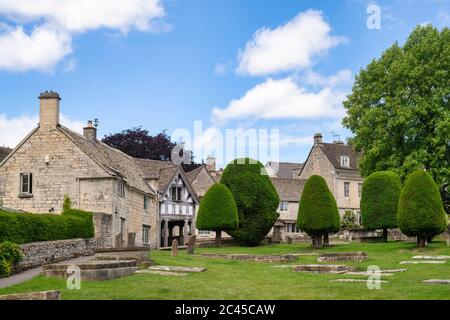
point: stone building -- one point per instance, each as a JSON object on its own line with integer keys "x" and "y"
{"x": 4, "y": 153}
{"x": 283, "y": 170}
{"x": 135, "y": 202}
{"x": 337, "y": 164}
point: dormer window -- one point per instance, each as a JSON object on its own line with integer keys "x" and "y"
{"x": 345, "y": 161}
{"x": 176, "y": 193}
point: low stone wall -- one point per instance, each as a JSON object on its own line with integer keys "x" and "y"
{"x": 36, "y": 254}
{"x": 44, "y": 295}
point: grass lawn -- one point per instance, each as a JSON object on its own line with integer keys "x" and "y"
{"x": 226, "y": 279}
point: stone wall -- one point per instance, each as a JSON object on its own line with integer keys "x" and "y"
{"x": 103, "y": 230}
{"x": 36, "y": 254}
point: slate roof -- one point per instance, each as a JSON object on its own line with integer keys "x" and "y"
{"x": 112, "y": 160}
{"x": 285, "y": 169}
{"x": 288, "y": 189}
{"x": 191, "y": 175}
{"x": 334, "y": 151}
{"x": 4, "y": 152}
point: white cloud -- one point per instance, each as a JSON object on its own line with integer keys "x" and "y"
{"x": 444, "y": 18}
{"x": 13, "y": 130}
{"x": 342, "y": 78}
{"x": 291, "y": 46}
{"x": 54, "y": 22}
{"x": 40, "y": 50}
{"x": 282, "y": 99}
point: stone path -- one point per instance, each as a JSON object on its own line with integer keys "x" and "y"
{"x": 176, "y": 269}
{"x": 359, "y": 280}
{"x": 162, "y": 273}
{"x": 437, "y": 281}
{"x": 432, "y": 257}
{"x": 423, "y": 262}
{"x": 31, "y": 273}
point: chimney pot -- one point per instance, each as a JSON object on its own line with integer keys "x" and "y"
{"x": 211, "y": 164}
{"x": 90, "y": 132}
{"x": 318, "y": 138}
{"x": 49, "y": 109}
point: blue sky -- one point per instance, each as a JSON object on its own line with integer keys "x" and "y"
{"x": 165, "y": 64}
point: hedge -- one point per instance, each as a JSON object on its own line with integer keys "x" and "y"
{"x": 255, "y": 197}
{"x": 27, "y": 227}
{"x": 9, "y": 255}
{"x": 420, "y": 209}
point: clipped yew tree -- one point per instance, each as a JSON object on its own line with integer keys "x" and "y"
{"x": 256, "y": 200}
{"x": 218, "y": 211}
{"x": 379, "y": 201}
{"x": 420, "y": 209}
{"x": 318, "y": 213}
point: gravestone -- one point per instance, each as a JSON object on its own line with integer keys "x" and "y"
{"x": 191, "y": 244}
{"x": 174, "y": 248}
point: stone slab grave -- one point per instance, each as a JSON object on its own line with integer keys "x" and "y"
{"x": 342, "y": 256}
{"x": 359, "y": 280}
{"x": 366, "y": 273}
{"x": 171, "y": 270}
{"x": 93, "y": 270}
{"x": 423, "y": 262}
{"x": 271, "y": 258}
{"x": 432, "y": 257}
{"x": 323, "y": 268}
{"x": 436, "y": 281}
{"x": 43, "y": 295}
{"x": 140, "y": 254}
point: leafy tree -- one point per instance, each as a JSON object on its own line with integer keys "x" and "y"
{"x": 379, "y": 201}
{"x": 138, "y": 143}
{"x": 445, "y": 195}
{"x": 420, "y": 210}
{"x": 318, "y": 213}
{"x": 218, "y": 211}
{"x": 399, "y": 108}
{"x": 67, "y": 204}
{"x": 348, "y": 220}
{"x": 256, "y": 200}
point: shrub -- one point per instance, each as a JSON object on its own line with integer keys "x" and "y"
{"x": 217, "y": 211}
{"x": 348, "y": 220}
{"x": 379, "y": 201}
{"x": 67, "y": 204}
{"x": 318, "y": 213}
{"x": 256, "y": 200}
{"x": 420, "y": 210}
{"x": 9, "y": 255}
{"x": 27, "y": 227}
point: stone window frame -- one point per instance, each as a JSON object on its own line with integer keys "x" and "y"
{"x": 146, "y": 234}
{"x": 146, "y": 203}
{"x": 345, "y": 161}
{"x": 29, "y": 191}
{"x": 346, "y": 189}
{"x": 121, "y": 188}
{"x": 176, "y": 191}
{"x": 360, "y": 186}
{"x": 284, "y": 206}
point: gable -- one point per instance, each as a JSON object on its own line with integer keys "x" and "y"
{"x": 179, "y": 181}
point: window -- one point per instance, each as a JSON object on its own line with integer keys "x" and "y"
{"x": 145, "y": 234}
{"x": 292, "y": 228}
{"x": 284, "y": 206}
{"x": 176, "y": 193}
{"x": 204, "y": 232}
{"x": 145, "y": 203}
{"x": 360, "y": 190}
{"x": 346, "y": 189}
{"x": 26, "y": 183}
{"x": 121, "y": 188}
{"x": 122, "y": 226}
{"x": 345, "y": 161}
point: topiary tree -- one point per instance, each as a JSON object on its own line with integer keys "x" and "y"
{"x": 256, "y": 200}
{"x": 379, "y": 201}
{"x": 67, "y": 204}
{"x": 318, "y": 213}
{"x": 420, "y": 210}
{"x": 218, "y": 211}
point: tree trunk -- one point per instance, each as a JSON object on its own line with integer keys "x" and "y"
{"x": 385, "y": 235}
{"x": 317, "y": 241}
{"x": 430, "y": 239}
{"x": 421, "y": 242}
{"x": 326, "y": 239}
{"x": 218, "y": 238}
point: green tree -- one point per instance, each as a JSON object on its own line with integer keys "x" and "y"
{"x": 420, "y": 210}
{"x": 67, "y": 204}
{"x": 379, "y": 201}
{"x": 318, "y": 213}
{"x": 218, "y": 211}
{"x": 256, "y": 200}
{"x": 399, "y": 108}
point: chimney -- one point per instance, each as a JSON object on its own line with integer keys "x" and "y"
{"x": 211, "y": 164}
{"x": 318, "y": 138}
{"x": 49, "y": 109}
{"x": 90, "y": 132}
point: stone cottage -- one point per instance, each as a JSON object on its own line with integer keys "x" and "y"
{"x": 135, "y": 202}
{"x": 337, "y": 164}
